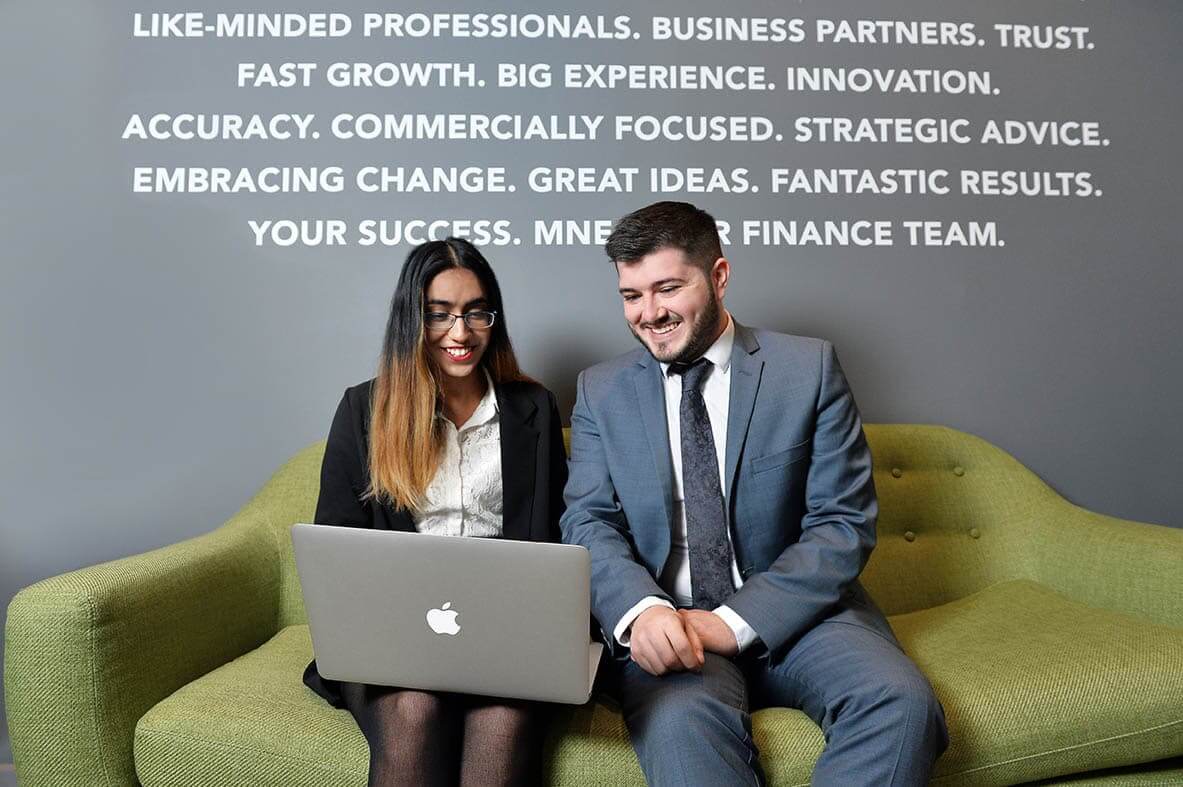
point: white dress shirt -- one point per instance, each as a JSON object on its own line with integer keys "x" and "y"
{"x": 675, "y": 576}
{"x": 464, "y": 497}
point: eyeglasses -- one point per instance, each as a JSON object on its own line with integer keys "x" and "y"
{"x": 443, "y": 321}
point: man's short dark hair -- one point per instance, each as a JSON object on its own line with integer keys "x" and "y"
{"x": 665, "y": 225}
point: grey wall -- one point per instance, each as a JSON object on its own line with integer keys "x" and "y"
{"x": 157, "y": 367}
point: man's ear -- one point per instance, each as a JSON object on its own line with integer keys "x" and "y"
{"x": 720, "y": 275}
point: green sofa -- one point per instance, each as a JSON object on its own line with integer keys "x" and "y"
{"x": 1052, "y": 635}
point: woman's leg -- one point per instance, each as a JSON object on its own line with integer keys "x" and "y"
{"x": 412, "y": 734}
{"x": 502, "y": 742}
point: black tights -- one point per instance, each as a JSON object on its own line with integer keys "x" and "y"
{"x": 438, "y": 738}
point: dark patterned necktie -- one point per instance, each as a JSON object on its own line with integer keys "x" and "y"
{"x": 702, "y": 495}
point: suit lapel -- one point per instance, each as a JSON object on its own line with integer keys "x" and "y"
{"x": 651, "y": 399}
{"x": 746, "y": 369}
{"x": 519, "y": 450}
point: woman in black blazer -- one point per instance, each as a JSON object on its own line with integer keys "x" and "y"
{"x": 449, "y": 438}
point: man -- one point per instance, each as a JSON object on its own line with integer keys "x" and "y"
{"x": 720, "y": 478}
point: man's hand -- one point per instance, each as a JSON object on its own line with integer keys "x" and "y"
{"x": 661, "y": 642}
{"x": 715, "y": 635}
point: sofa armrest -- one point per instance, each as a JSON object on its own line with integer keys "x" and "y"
{"x": 1117, "y": 564}
{"x": 88, "y": 652}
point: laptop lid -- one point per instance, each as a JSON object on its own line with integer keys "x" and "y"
{"x": 475, "y": 615}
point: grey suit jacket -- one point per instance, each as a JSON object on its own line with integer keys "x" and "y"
{"x": 797, "y": 480}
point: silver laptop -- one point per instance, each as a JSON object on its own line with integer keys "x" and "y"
{"x": 475, "y": 615}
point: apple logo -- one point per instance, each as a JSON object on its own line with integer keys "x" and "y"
{"x": 443, "y": 620}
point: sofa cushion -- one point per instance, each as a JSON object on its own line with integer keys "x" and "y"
{"x": 1033, "y": 686}
{"x": 253, "y": 721}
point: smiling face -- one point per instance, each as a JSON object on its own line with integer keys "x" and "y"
{"x": 671, "y": 305}
{"x": 457, "y": 351}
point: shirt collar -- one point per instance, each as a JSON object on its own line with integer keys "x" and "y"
{"x": 718, "y": 353}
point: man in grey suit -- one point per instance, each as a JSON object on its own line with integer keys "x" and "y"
{"x": 720, "y": 478}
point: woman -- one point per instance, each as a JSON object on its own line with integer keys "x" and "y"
{"x": 450, "y": 438}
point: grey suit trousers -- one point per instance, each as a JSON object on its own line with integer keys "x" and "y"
{"x": 882, "y": 723}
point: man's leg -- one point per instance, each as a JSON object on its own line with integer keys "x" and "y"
{"x": 883, "y": 724}
{"x": 688, "y": 727}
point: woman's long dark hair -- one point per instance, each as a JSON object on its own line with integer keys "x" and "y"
{"x": 405, "y": 439}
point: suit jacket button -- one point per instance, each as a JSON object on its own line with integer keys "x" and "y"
{"x": 909, "y": 536}
{"x": 958, "y": 470}
{"x": 896, "y": 472}
{"x": 974, "y": 532}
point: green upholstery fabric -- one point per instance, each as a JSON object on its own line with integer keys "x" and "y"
{"x": 1155, "y": 774}
{"x": 252, "y": 721}
{"x": 87, "y": 653}
{"x": 1035, "y": 685}
{"x": 1051, "y": 634}
{"x": 951, "y": 485}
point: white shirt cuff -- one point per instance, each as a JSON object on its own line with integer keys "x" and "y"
{"x": 621, "y": 633}
{"x": 745, "y": 635}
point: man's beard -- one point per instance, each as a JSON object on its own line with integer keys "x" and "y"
{"x": 702, "y": 335}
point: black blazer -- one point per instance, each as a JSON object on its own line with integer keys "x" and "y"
{"x": 533, "y": 473}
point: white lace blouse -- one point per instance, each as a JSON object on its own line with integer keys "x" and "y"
{"x": 464, "y": 498}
